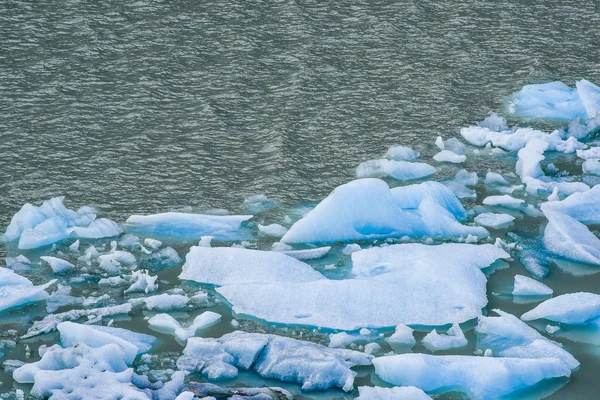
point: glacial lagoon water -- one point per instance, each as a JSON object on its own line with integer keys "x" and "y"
{"x": 148, "y": 107}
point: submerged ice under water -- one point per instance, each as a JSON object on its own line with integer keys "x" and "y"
{"x": 382, "y": 283}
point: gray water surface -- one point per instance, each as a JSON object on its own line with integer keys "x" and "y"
{"x": 143, "y": 107}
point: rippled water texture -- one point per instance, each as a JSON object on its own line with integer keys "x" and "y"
{"x": 142, "y": 107}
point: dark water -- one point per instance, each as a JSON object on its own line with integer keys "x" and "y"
{"x": 141, "y": 107}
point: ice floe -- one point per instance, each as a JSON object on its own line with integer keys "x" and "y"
{"x": 453, "y": 338}
{"x": 367, "y": 209}
{"x": 568, "y": 238}
{"x": 525, "y": 286}
{"x": 495, "y": 221}
{"x": 188, "y": 226}
{"x": 572, "y": 308}
{"x": 399, "y": 170}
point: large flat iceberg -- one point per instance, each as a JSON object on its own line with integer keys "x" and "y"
{"x": 481, "y": 378}
{"x": 409, "y": 284}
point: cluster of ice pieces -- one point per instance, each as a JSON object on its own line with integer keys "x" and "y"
{"x": 386, "y": 282}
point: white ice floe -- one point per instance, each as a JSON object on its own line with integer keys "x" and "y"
{"x": 570, "y": 239}
{"x": 480, "y": 378}
{"x": 400, "y": 170}
{"x": 459, "y": 184}
{"x": 495, "y": 221}
{"x": 166, "y": 302}
{"x": 584, "y": 207}
{"x": 81, "y": 372}
{"x": 394, "y": 393}
{"x": 58, "y": 265}
{"x": 51, "y": 222}
{"x": 16, "y": 290}
{"x": 153, "y": 243}
{"x": 275, "y": 230}
{"x": 189, "y": 226}
{"x": 572, "y": 308}
{"x": 453, "y": 338}
{"x": 516, "y": 139}
{"x": 507, "y": 336}
{"x": 343, "y": 339}
{"x": 142, "y": 282}
{"x": 167, "y": 324}
{"x": 401, "y": 153}
{"x": 308, "y": 254}
{"x": 111, "y": 262}
{"x": 367, "y": 209}
{"x": 503, "y": 201}
{"x": 494, "y": 179}
{"x": 131, "y": 343}
{"x": 410, "y": 197}
{"x": 403, "y": 335}
{"x": 399, "y": 284}
{"x": 228, "y": 266}
{"x": 449, "y": 156}
{"x": 555, "y": 100}
{"x": 525, "y": 286}
{"x": 591, "y": 166}
{"x": 273, "y": 357}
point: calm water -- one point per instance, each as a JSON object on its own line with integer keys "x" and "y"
{"x": 142, "y": 107}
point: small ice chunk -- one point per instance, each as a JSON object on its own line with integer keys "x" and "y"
{"x": 308, "y": 254}
{"x": 495, "y": 221}
{"x": 275, "y": 230}
{"x": 591, "y": 166}
{"x": 525, "y": 286}
{"x": 100, "y": 228}
{"x": 452, "y": 339}
{"x": 507, "y": 336}
{"x": 572, "y": 308}
{"x": 570, "y": 239}
{"x": 493, "y": 179}
{"x": 584, "y": 206}
{"x": 166, "y": 302}
{"x": 503, "y": 201}
{"x": 403, "y": 335}
{"x": 74, "y": 246}
{"x": 494, "y": 123}
{"x": 372, "y": 348}
{"x": 142, "y": 282}
{"x": 351, "y": 248}
{"x": 58, "y": 265}
{"x": 205, "y": 241}
{"x": 152, "y": 243}
{"x": 393, "y": 393}
{"x": 399, "y": 170}
{"x": 112, "y": 261}
{"x": 401, "y": 153}
{"x": 130, "y": 342}
{"x": 258, "y": 203}
{"x": 343, "y": 339}
{"x": 552, "y": 329}
{"x": 167, "y": 324}
{"x": 449, "y": 156}
{"x": 460, "y": 182}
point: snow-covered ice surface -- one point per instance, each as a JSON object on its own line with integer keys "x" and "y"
{"x": 390, "y": 287}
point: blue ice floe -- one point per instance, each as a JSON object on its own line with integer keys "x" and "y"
{"x": 368, "y": 209}
{"x": 34, "y": 226}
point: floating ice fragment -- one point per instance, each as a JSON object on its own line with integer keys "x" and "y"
{"x": 367, "y": 209}
{"x": 188, "y": 226}
{"x": 58, "y": 265}
{"x": 495, "y": 221}
{"x": 403, "y": 335}
{"x": 166, "y": 302}
{"x": 572, "y": 308}
{"x": 525, "y": 286}
{"x": 152, "y": 243}
{"x": 452, "y": 339}
{"x": 494, "y": 123}
{"x": 142, "y": 282}
{"x": 584, "y": 207}
{"x": 481, "y": 378}
{"x": 401, "y": 153}
{"x": 400, "y": 170}
{"x": 167, "y": 324}
{"x": 275, "y": 230}
{"x": 308, "y": 254}
{"x": 449, "y": 156}
{"x": 570, "y": 239}
{"x": 503, "y": 201}
{"x": 343, "y": 339}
